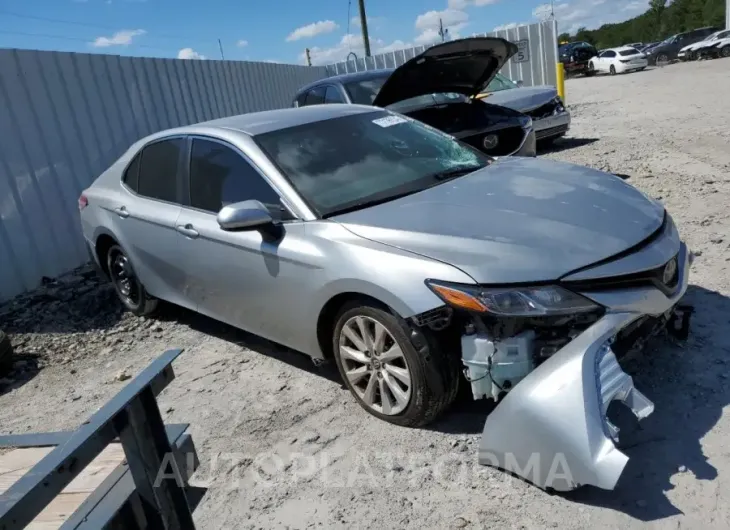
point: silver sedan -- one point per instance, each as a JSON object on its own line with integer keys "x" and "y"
{"x": 360, "y": 235}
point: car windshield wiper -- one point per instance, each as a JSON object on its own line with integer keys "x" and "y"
{"x": 456, "y": 172}
{"x": 367, "y": 204}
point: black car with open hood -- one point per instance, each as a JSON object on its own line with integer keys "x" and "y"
{"x": 438, "y": 87}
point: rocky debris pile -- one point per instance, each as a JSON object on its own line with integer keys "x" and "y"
{"x": 69, "y": 317}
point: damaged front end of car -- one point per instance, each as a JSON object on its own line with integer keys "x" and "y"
{"x": 548, "y": 355}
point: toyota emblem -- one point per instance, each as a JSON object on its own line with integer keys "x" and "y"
{"x": 670, "y": 271}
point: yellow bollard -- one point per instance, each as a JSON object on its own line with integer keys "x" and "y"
{"x": 560, "y": 81}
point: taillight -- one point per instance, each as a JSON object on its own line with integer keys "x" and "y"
{"x": 83, "y": 202}
{"x": 625, "y": 60}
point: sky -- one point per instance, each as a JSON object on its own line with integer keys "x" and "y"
{"x": 275, "y": 30}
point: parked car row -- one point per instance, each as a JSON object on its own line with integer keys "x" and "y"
{"x": 668, "y": 50}
{"x": 716, "y": 45}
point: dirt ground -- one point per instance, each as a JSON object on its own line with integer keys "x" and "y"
{"x": 282, "y": 444}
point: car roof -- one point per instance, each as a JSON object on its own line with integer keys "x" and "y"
{"x": 620, "y": 49}
{"x": 263, "y": 122}
{"x": 348, "y": 78}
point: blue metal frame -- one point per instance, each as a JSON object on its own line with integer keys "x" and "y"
{"x": 134, "y": 417}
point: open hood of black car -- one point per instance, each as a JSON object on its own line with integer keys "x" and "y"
{"x": 463, "y": 66}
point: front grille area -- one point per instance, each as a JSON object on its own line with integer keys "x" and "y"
{"x": 653, "y": 277}
{"x": 510, "y": 140}
{"x": 552, "y": 131}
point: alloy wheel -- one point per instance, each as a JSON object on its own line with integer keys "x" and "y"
{"x": 375, "y": 365}
{"x": 124, "y": 279}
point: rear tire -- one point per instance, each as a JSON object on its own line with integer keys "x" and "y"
{"x": 371, "y": 344}
{"x": 129, "y": 288}
{"x": 6, "y": 354}
{"x": 612, "y": 70}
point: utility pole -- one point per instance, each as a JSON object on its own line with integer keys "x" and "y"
{"x": 309, "y": 57}
{"x": 364, "y": 27}
{"x": 220, "y": 46}
{"x": 443, "y": 33}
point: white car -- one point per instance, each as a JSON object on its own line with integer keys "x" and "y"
{"x": 691, "y": 52}
{"x": 618, "y": 61}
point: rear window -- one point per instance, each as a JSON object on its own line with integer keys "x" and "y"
{"x": 131, "y": 175}
{"x": 628, "y": 53}
{"x": 158, "y": 172}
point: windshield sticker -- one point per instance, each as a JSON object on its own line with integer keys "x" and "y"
{"x": 389, "y": 121}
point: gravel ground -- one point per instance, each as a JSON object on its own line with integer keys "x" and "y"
{"x": 282, "y": 444}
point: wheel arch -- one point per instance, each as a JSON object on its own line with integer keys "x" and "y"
{"x": 411, "y": 303}
{"x": 103, "y": 241}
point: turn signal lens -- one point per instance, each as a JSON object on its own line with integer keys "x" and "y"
{"x": 458, "y": 299}
{"x": 83, "y": 202}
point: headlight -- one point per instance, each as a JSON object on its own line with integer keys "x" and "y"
{"x": 512, "y": 301}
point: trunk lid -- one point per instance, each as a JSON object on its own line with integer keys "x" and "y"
{"x": 462, "y": 66}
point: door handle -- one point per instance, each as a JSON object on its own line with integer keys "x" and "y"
{"x": 187, "y": 230}
{"x": 122, "y": 212}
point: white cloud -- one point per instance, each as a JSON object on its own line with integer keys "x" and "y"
{"x": 507, "y": 26}
{"x": 373, "y": 22}
{"x": 451, "y": 18}
{"x": 461, "y": 4}
{"x": 348, "y": 43}
{"x": 120, "y": 38}
{"x": 311, "y": 30}
{"x": 590, "y": 14}
{"x": 189, "y": 53}
{"x": 429, "y": 36}
{"x": 242, "y": 43}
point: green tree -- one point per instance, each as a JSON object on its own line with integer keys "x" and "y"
{"x": 657, "y": 7}
{"x": 564, "y": 37}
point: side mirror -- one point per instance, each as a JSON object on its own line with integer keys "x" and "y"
{"x": 520, "y": 83}
{"x": 245, "y": 215}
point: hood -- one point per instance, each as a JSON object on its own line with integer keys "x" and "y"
{"x": 518, "y": 220}
{"x": 522, "y": 99}
{"x": 463, "y": 66}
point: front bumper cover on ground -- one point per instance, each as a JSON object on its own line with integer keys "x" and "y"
{"x": 551, "y": 429}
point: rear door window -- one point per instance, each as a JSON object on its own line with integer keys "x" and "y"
{"x": 158, "y": 172}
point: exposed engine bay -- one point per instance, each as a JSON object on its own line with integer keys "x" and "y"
{"x": 554, "y": 377}
{"x": 473, "y": 121}
{"x": 498, "y": 353}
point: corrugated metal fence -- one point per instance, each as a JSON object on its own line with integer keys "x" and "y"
{"x": 534, "y": 64}
{"x": 65, "y": 117}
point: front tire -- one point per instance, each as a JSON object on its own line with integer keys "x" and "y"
{"x": 662, "y": 59}
{"x": 591, "y": 70}
{"x": 129, "y": 288}
{"x": 397, "y": 374}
